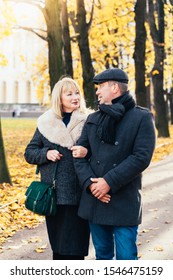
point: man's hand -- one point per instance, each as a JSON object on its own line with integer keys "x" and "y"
{"x": 100, "y": 189}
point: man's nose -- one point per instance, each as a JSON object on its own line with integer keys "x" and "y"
{"x": 97, "y": 91}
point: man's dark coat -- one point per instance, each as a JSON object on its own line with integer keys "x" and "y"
{"x": 120, "y": 165}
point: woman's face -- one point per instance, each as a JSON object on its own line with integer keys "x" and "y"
{"x": 70, "y": 99}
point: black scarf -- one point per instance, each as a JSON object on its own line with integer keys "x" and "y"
{"x": 111, "y": 115}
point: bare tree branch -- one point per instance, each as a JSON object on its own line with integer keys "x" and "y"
{"x": 36, "y": 3}
{"x": 33, "y": 30}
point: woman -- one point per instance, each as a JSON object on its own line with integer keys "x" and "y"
{"x": 57, "y": 131}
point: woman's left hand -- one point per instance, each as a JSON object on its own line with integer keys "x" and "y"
{"x": 79, "y": 151}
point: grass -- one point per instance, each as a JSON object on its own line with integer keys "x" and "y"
{"x": 18, "y": 123}
{"x": 16, "y": 135}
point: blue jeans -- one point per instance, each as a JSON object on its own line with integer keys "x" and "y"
{"x": 110, "y": 239}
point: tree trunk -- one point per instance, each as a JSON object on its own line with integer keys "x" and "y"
{"x": 4, "y": 173}
{"x": 157, "y": 71}
{"x": 55, "y": 44}
{"x": 139, "y": 53}
{"x": 170, "y": 98}
{"x": 66, "y": 40}
{"x": 83, "y": 42}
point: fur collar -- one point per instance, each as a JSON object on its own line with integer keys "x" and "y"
{"x": 54, "y": 130}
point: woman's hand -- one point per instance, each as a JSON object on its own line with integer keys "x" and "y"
{"x": 79, "y": 151}
{"x": 53, "y": 155}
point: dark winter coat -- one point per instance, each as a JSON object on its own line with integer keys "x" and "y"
{"x": 120, "y": 165}
{"x": 51, "y": 131}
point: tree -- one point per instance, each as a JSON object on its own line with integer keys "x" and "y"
{"x": 66, "y": 40}
{"x": 112, "y": 36}
{"x": 51, "y": 10}
{"x": 4, "y": 173}
{"x": 81, "y": 27}
{"x": 139, "y": 53}
{"x": 6, "y": 25}
{"x": 59, "y": 48}
{"x": 157, "y": 34}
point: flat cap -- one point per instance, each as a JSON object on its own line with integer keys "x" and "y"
{"x": 113, "y": 74}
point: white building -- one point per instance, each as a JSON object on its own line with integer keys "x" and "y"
{"x": 17, "y": 89}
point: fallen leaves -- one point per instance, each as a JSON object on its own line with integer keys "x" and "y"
{"x": 158, "y": 248}
{"x": 164, "y": 146}
{"x": 39, "y": 249}
{"x": 13, "y": 214}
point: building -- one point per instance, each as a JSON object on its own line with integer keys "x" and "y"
{"x": 18, "y": 92}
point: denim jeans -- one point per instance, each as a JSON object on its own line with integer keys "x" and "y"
{"x": 114, "y": 242}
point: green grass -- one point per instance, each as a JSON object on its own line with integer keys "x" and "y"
{"x": 18, "y": 124}
{"x": 17, "y": 133}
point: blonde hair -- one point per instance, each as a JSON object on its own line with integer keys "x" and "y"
{"x": 62, "y": 85}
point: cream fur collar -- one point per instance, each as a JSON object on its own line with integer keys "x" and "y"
{"x": 53, "y": 128}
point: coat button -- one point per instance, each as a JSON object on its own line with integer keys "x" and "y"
{"x": 102, "y": 142}
{"x": 98, "y": 162}
{"x": 114, "y": 164}
{"x": 116, "y": 143}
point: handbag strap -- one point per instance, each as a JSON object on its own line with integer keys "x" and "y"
{"x": 55, "y": 170}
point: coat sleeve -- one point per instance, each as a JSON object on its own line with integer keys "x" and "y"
{"x": 82, "y": 165}
{"x": 138, "y": 160}
{"x": 35, "y": 152}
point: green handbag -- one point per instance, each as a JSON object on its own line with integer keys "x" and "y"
{"x": 41, "y": 197}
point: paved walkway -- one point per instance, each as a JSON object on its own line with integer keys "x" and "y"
{"x": 155, "y": 240}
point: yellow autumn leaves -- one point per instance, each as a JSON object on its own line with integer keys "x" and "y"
{"x": 164, "y": 146}
{"x": 13, "y": 214}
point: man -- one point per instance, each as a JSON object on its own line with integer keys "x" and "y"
{"x": 120, "y": 138}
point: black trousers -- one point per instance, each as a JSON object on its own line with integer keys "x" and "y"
{"x": 57, "y": 256}
{"x": 68, "y": 233}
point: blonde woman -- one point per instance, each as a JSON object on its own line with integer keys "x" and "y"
{"x": 55, "y": 138}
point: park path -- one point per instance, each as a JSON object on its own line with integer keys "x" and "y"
{"x": 155, "y": 241}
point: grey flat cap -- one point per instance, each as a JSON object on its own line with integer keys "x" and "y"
{"x": 113, "y": 74}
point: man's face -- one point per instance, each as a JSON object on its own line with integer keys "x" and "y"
{"x": 106, "y": 93}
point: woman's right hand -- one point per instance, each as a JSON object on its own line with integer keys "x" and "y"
{"x": 53, "y": 155}
{"x": 79, "y": 151}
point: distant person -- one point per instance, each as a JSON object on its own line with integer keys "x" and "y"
{"x": 62, "y": 125}
{"x": 13, "y": 113}
{"x": 120, "y": 138}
